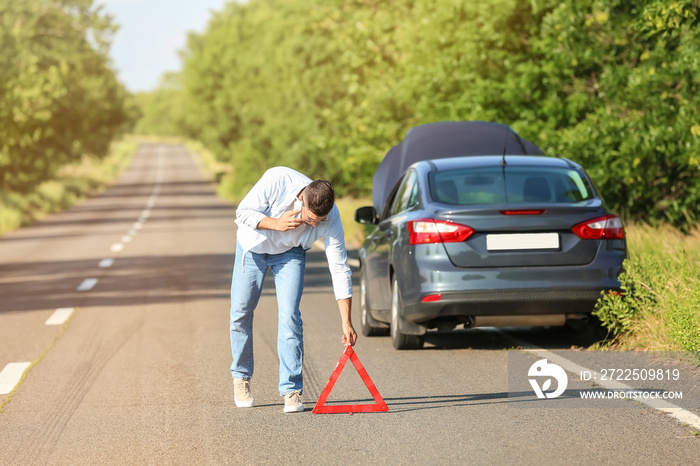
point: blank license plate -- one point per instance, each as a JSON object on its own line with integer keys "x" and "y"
{"x": 522, "y": 241}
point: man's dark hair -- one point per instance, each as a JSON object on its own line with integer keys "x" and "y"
{"x": 319, "y": 197}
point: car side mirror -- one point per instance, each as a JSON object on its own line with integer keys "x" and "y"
{"x": 366, "y": 215}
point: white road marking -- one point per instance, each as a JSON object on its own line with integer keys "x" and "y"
{"x": 105, "y": 263}
{"x": 132, "y": 231}
{"x": 60, "y": 316}
{"x": 680, "y": 414}
{"x": 87, "y": 285}
{"x": 146, "y": 213}
{"x": 116, "y": 247}
{"x": 11, "y": 375}
{"x": 138, "y": 225}
{"x": 126, "y": 239}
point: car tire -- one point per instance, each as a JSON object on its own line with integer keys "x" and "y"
{"x": 370, "y": 326}
{"x": 398, "y": 339}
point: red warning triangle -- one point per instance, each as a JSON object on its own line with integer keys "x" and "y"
{"x": 366, "y": 408}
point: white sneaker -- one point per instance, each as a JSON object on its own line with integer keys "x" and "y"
{"x": 292, "y": 402}
{"x": 242, "y": 395}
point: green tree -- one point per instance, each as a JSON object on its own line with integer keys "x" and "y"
{"x": 330, "y": 86}
{"x": 59, "y": 97}
{"x": 616, "y": 89}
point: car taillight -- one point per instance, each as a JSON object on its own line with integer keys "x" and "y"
{"x": 608, "y": 227}
{"x": 425, "y": 231}
{"x": 431, "y": 298}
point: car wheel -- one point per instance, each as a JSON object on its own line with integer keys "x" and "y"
{"x": 398, "y": 339}
{"x": 370, "y": 326}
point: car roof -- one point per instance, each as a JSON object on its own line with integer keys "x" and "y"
{"x": 495, "y": 160}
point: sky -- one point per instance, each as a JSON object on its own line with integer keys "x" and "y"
{"x": 151, "y": 33}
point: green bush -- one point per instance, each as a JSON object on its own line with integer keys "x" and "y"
{"x": 619, "y": 312}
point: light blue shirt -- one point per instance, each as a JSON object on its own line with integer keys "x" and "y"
{"x": 276, "y": 193}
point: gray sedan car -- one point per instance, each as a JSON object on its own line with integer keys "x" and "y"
{"x": 486, "y": 241}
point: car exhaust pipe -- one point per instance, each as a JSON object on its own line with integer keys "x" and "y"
{"x": 578, "y": 321}
{"x": 520, "y": 321}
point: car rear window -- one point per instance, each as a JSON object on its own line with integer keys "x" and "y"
{"x": 512, "y": 185}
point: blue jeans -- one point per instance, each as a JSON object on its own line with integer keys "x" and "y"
{"x": 246, "y": 287}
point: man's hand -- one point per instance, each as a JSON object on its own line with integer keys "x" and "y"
{"x": 349, "y": 334}
{"x": 286, "y": 222}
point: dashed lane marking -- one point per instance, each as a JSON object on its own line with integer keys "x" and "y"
{"x": 87, "y": 284}
{"x": 60, "y": 316}
{"x": 11, "y": 375}
{"x": 106, "y": 263}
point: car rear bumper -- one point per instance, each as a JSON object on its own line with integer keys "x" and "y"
{"x": 502, "y": 291}
{"x": 503, "y": 302}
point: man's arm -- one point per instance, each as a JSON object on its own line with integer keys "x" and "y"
{"x": 251, "y": 210}
{"x": 349, "y": 334}
{"x": 286, "y": 222}
{"x": 334, "y": 239}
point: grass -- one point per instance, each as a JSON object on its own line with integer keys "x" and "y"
{"x": 659, "y": 309}
{"x": 221, "y": 173}
{"x": 355, "y": 233}
{"x": 72, "y": 183}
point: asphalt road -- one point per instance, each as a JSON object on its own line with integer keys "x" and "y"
{"x": 139, "y": 373}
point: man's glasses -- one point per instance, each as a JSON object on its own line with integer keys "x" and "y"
{"x": 311, "y": 221}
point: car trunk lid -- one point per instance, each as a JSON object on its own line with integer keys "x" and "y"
{"x": 522, "y": 236}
